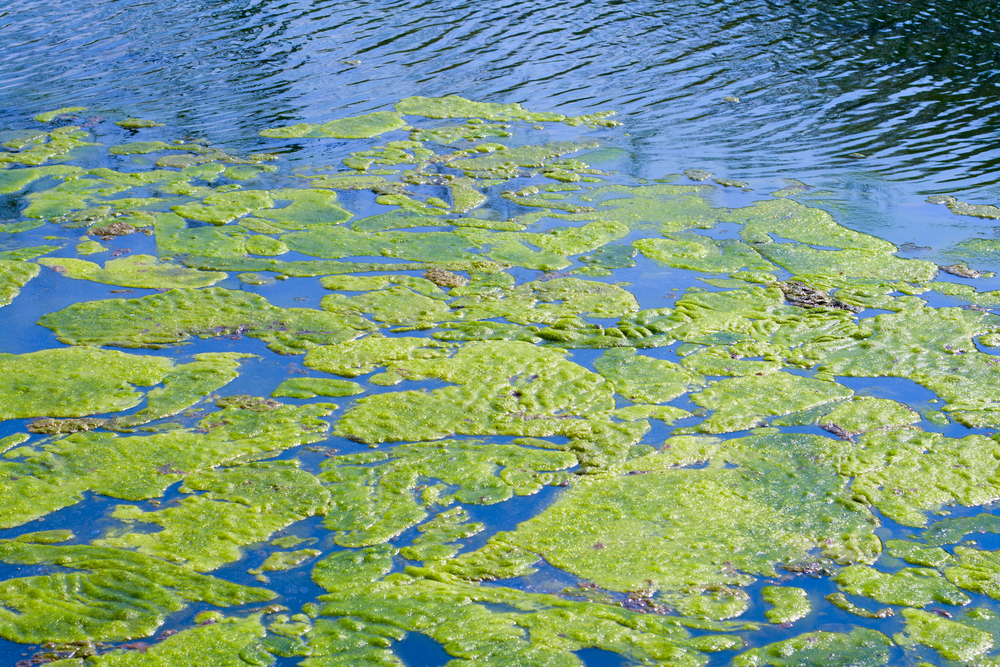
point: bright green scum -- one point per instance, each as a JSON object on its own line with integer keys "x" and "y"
{"x": 652, "y": 543}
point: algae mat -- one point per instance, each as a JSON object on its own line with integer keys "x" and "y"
{"x": 414, "y": 373}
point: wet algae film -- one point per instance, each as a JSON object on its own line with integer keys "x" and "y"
{"x": 460, "y": 388}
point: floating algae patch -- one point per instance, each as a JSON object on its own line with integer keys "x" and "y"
{"x": 313, "y": 387}
{"x": 976, "y": 571}
{"x": 220, "y": 208}
{"x": 953, "y": 640}
{"x": 239, "y": 506}
{"x": 375, "y": 496}
{"x": 935, "y": 348}
{"x": 74, "y": 382}
{"x": 908, "y": 474}
{"x": 13, "y": 276}
{"x": 865, "y": 413}
{"x": 643, "y": 379}
{"x": 685, "y": 250}
{"x": 159, "y": 320}
{"x": 102, "y": 594}
{"x": 184, "y": 386}
{"x": 911, "y": 587}
{"x": 308, "y": 208}
{"x": 951, "y": 531}
{"x": 862, "y": 647}
{"x": 663, "y": 538}
{"x": 494, "y": 625}
{"x": 743, "y": 402}
{"x": 502, "y": 387}
{"x": 358, "y": 127}
{"x": 705, "y": 527}
{"x": 144, "y": 271}
{"x": 38, "y": 480}
{"x": 788, "y": 603}
{"x": 453, "y": 106}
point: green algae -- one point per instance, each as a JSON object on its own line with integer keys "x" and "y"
{"x": 240, "y": 506}
{"x": 865, "y": 413}
{"x": 975, "y": 571}
{"x": 159, "y": 320}
{"x": 911, "y": 587}
{"x": 89, "y": 248}
{"x": 74, "y": 382}
{"x": 500, "y": 626}
{"x": 500, "y": 388}
{"x": 375, "y": 496}
{"x": 734, "y": 507}
{"x": 264, "y": 245}
{"x": 436, "y": 534}
{"x": 453, "y": 106}
{"x": 13, "y": 276}
{"x": 137, "y": 123}
{"x": 685, "y": 250}
{"x": 951, "y": 531}
{"x": 183, "y": 386}
{"x": 280, "y": 561}
{"x": 354, "y": 358}
{"x": 908, "y": 473}
{"x": 227, "y": 643}
{"x": 953, "y": 640}
{"x": 218, "y": 209}
{"x": 49, "y": 116}
{"x": 38, "y": 480}
{"x": 394, "y": 305}
{"x": 918, "y": 554}
{"x": 308, "y": 208}
{"x": 145, "y": 271}
{"x": 101, "y": 594}
{"x": 358, "y": 127}
{"x": 643, "y": 379}
{"x": 766, "y": 510}
{"x": 743, "y": 402}
{"x": 840, "y": 601}
{"x": 313, "y": 387}
{"x": 934, "y": 348}
{"x": 788, "y": 603}
{"x": 15, "y": 180}
{"x": 862, "y": 647}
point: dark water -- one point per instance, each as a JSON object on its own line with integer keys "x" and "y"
{"x": 912, "y": 85}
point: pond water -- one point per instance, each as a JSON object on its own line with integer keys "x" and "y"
{"x": 314, "y": 364}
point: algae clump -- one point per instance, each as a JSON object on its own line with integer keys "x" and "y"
{"x": 101, "y": 593}
{"x": 145, "y": 271}
{"x": 74, "y": 382}
{"x": 159, "y": 320}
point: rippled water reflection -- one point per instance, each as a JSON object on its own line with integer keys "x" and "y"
{"x": 912, "y": 85}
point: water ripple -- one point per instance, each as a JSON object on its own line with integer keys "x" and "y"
{"x": 912, "y": 85}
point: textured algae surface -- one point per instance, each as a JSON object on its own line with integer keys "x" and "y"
{"x": 528, "y": 457}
